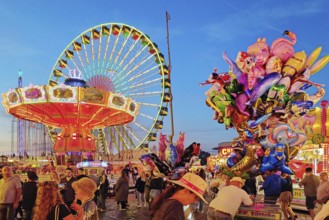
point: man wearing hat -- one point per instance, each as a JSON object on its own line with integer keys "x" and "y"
{"x": 29, "y": 192}
{"x": 228, "y": 201}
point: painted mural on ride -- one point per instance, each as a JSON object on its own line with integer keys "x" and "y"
{"x": 267, "y": 89}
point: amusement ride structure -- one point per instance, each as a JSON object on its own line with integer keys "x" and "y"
{"x": 107, "y": 92}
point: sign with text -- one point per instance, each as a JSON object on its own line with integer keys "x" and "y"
{"x": 225, "y": 151}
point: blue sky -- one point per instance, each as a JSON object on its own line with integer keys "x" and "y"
{"x": 34, "y": 33}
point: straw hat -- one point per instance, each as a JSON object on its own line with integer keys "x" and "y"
{"x": 193, "y": 183}
{"x": 86, "y": 184}
{"x": 237, "y": 179}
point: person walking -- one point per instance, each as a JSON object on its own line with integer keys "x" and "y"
{"x": 156, "y": 185}
{"x": 121, "y": 190}
{"x": 29, "y": 194}
{"x": 10, "y": 194}
{"x": 286, "y": 197}
{"x": 103, "y": 190}
{"x": 148, "y": 178}
{"x": 310, "y": 183}
{"x": 134, "y": 174}
{"x": 140, "y": 189}
{"x": 229, "y": 198}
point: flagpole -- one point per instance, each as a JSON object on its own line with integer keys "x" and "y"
{"x": 169, "y": 77}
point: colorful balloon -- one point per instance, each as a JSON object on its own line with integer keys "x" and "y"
{"x": 263, "y": 86}
{"x": 266, "y": 91}
{"x": 283, "y": 48}
{"x": 260, "y": 50}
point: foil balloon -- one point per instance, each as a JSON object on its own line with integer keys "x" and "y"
{"x": 263, "y": 86}
{"x": 188, "y": 154}
{"x": 274, "y": 64}
{"x": 295, "y": 64}
{"x": 162, "y": 166}
{"x": 319, "y": 64}
{"x": 246, "y": 162}
{"x": 218, "y": 81}
{"x": 245, "y": 62}
{"x": 179, "y": 144}
{"x": 163, "y": 144}
{"x": 312, "y": 57}
{"x": 283, "y": 48}
{"x": 260, "y": 50}
{"x": 275, "y": 159}
{"x": 172, "y": 155}
{"x": 233, "y": 66}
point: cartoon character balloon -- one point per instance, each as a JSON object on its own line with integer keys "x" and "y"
{"x": 266, "y": 88}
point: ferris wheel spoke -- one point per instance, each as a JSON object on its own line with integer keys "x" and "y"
{"x": 129, "y": 139}
{"x": 148, "y": 104}
{"x": 114, "y": 140}
{"x": 120, "y": 51}
{"x": 138, "y": 54}
{"x": 141, "y": 77}
{"x": 144, "y": 94}
{"x": 141, "y": 126}
{"x": 152, "y": 82}
{"x": 77, "y": 47}
{"x": 134, "y": 135}
{"x": 112, "y": 53}
{"x": 120, "y": 135}
{"x": 134, "y": 68}
{"x": 86, "y": 54}
{"x": 128, "y": 53}
{"x": 106, "y": 30}
{"x": 93, "y": 55}
{"x": 147, "y": 116}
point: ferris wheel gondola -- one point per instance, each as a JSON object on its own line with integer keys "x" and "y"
{"x": 119, "y": 58}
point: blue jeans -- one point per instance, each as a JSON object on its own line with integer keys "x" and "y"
{"x": 7, "y": 211}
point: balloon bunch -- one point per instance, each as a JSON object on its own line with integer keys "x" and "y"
{"x": 264, "y": 89}
{"x": 173, "y": 159}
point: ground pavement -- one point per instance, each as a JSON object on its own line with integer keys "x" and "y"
{"x": 133, "y": 212}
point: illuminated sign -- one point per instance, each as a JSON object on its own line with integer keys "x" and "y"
{"x": 92, "y": 164}
{"x": 225, "y": 151}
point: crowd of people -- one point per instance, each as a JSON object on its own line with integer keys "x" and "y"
{"x": 81, "y": 196}
{"x": 71, "y": 197}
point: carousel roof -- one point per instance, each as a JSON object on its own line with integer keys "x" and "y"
{"x": 64, "y": 105}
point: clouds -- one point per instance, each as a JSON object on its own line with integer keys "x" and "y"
{"x": 253, "y": 19}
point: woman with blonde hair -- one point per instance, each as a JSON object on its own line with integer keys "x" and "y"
{"x": 49, "y": 204}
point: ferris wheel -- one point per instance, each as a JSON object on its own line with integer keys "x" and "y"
{"x": 120, "y": 58}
